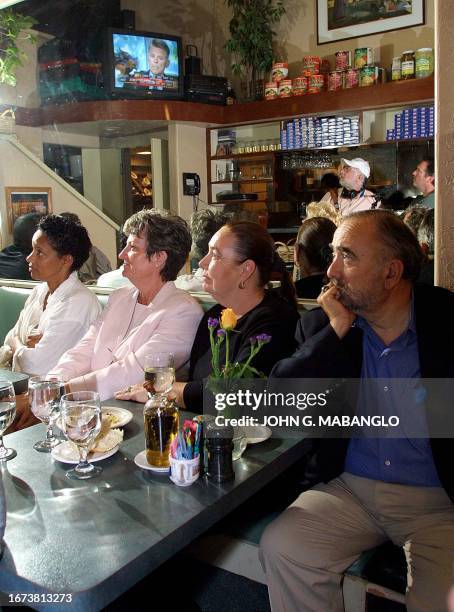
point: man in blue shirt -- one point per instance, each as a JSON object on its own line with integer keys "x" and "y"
{"x": 376, "y": 325}
{"x": 424, "y": 181}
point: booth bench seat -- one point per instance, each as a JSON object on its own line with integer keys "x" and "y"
{"x": 13, "y": 295}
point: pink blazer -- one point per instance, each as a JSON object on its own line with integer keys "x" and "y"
{"x": 108, "y": 358}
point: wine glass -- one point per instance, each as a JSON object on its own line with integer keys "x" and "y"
{"x": 7, "y": 414}
{"x": 81, "y": 423}
{"x": 159, "y": 373}
{"x": 44, "y": 394}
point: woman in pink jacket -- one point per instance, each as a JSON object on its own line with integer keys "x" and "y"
{"x": 152, "y": 316}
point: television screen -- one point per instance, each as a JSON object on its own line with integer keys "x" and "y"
{"x": 144, "y": 64}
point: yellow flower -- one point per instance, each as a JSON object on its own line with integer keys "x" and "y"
{"x": 228, "y": 319}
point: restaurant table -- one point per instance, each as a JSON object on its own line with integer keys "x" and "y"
{"x": 19, "y": 379}
{"x": 94, "y": 539}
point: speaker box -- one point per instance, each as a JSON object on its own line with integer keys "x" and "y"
{"x": 128, "y": 19}
{"x": 193, "y": 65}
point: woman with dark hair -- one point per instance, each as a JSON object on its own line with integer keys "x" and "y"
{"x": 60, "y": 310}
{"x": 237, "y": 269}
{"x": 151, "y": 316}
{"x": 313, "y": 255}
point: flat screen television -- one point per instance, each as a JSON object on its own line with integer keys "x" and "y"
{"x": 143, "y": 65}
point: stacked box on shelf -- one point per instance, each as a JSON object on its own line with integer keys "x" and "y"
{"x": 314, "y": 132}
{"x": 413, "y": 123}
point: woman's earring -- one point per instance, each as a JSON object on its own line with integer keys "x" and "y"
{"x": 241, "y": 284}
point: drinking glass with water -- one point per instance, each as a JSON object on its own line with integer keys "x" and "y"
{"x": 81, "y": 422}
{"x": 44, "y": 393}
{"x": 7, "y": 414}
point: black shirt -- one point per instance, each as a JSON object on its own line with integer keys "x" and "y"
{"x": 273, "y": 316}
{"x": 13, "y": 264}
{"x": 310, "y": 287}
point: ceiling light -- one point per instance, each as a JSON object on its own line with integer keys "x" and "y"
{"x": 144, "y": 153}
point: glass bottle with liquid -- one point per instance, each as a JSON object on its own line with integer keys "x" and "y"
{"x": 161, "y": 421}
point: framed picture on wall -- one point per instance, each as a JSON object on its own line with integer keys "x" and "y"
{"x": 342, "y": 19}
{"x": 23, "y": 200}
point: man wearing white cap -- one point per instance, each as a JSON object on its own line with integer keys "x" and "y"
{"x": 354, "y": 196}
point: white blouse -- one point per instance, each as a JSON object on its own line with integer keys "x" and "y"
{"x": 70, "y": 310}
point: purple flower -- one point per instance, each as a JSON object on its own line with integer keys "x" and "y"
{"x": 221, "y": 333}
{"x": 253, "y": 339}
{"x": 263, "y": 338}
{"x": 212, "y": 322}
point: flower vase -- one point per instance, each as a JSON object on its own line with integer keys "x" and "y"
{"x": 239, "y": 442}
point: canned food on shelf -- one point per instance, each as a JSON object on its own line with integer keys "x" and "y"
{"x": 396, "y": 69}
{"x": 316, "y": 83}
{"x": 363, "y": 57}
{"x": 271, "y": 90}
{"x": 311, "y": 65}
{"x": 299, "y": 86}
{"x": 279, "y": 71}
{"x": 343, "y": 60}
{"x": 285, "y": 88}
{"x": 351, "y": 78}
{"x": 335, "y": 80}
{"x": 408, "y": 65}
{"x": 424, "y": 62}
{"x": 368, "y": 76}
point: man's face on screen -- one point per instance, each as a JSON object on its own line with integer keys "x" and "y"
{"x": 157, "y": 60}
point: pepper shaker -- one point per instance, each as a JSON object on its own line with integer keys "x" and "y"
{"x": 219, "y": 449}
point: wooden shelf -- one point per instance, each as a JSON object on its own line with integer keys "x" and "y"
{"x": 247, "y": 156}
{"x": 386, "y": 95}
{"x": 245, "y": 180}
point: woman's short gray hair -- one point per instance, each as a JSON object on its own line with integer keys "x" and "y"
{"x": 168, "y": 233}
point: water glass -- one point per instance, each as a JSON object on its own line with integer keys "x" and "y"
{"x": 44, "y": 393}
{"x": 81, "y": 423}
{"x": 159, "y": 373}
{"x": 7, "y": 414}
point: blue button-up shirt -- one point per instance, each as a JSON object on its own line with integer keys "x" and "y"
{"x": 399, "y": 460}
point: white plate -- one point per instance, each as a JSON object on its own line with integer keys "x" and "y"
{"x": 122, "y": 415}
{"x": 66, "y": 453}
{"x": 256, "y": 433}
{"x": 141, "y": 461}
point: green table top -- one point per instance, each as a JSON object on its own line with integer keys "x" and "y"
{"x": 97, "y": 538}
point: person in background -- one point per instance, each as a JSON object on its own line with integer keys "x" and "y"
{"x": 115, "y": 279}
{"x": 374, "y": 323}
{"x": 237, "y": 269}
{"x": 13, "y": 258}
{"x": 395, "y": 201}
{"x": 313, "y": 255}
{"x": 60, "y": 309}
{"x": 152, "y": 316}
{"x": 413, "y": 216}
{"x": 96, "y": 264}
{"x": 354, "y": 196}
{"x": 424, "y": 182}
{"x": 329, "y": 184}
{"x": 204, "y": 224}
{"x": 426, "y": 239}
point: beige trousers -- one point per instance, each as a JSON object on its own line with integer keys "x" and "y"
{"x": 305, "y": 551}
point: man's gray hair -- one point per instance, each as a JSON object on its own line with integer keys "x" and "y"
{"x": 397, "y": 239}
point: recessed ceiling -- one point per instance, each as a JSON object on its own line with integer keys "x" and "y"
{"x": 112, "y": 129}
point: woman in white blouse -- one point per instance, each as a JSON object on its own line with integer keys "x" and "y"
{"x": 60, "y": 310}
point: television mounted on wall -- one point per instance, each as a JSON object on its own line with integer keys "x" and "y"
{"x": 143, "y": 65}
